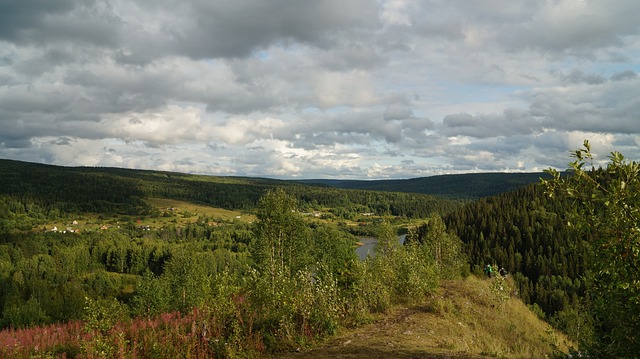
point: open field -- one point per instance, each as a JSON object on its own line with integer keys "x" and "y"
{"x": 179, "y": 208}
{"x": 171, "y": 211}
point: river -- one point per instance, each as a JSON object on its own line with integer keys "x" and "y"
{"x": 369, "y": 244}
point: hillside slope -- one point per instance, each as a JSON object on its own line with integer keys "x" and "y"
{"x": 118, "y": 190}
{"x": 466, "y": 319}
{"x": 460, "y": 186}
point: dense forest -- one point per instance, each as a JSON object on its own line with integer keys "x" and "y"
{"x": 525, "y": 232}
{"x": 247, "y": 285}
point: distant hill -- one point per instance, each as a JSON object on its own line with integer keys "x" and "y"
{"x": 96, "y": 183}
{"x": 459, "y": 186}
{"x": 119, "y": 190}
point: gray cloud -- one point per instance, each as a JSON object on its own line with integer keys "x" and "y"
{"x": 578, "y": 77}
{"x": 574, "y": 27}
{"x": 20, "y": 18}
{"x": 142, "y": 31}
{"x": 624, "y": 75}
{"x": 256, "y": 24}
{"x": 58, "y": 22}
{"x": 509, "y": 123}
{"x": 608, "y": 108}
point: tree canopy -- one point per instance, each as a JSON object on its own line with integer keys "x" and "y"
{"x": 606, "y": 203}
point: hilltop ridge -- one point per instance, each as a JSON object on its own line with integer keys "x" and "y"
{"x": 466, "y": 186}
{"x": 466, "y": 318}
{"x": 469, "y": 186}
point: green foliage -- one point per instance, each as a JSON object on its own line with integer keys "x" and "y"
{"x": 446, "y": 248}
{"x": 279, "y": 283}
{"x": 334, "y": 255}
{"x": 282, "y": 239}
{"x": 152, "y": 296}
{"x": 232, "y": 318}
{"x": 535, "y": 309}
{"x": 577, "y": 322}
{"x": 606, "y": 204}
{"x": 500, "y": 288}
{"x": 187, "y": 279}
{"x": 396, "y": 274}
{"x": 23, "y": 315}
{"x": 102, "y": 315}
{"x": 300, "y": 307}
{"x": 416, "y": 274}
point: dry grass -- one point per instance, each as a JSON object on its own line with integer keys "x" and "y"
{"x": 464, "y": 320}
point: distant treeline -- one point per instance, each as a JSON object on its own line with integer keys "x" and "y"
{"x": 468, "y": 186}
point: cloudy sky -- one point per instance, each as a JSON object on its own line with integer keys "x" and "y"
{"x": 356, "y": 89}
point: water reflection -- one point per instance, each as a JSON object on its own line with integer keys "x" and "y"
{"x": 369, "y": 244}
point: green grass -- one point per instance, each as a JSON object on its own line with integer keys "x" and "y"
{"x": 179, "y": 207}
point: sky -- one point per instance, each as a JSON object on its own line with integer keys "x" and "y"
{"x": 349, "y": 89}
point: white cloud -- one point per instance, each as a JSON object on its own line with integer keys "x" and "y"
{"x": 395, "y": 13}
{"x": 172, "y": 125}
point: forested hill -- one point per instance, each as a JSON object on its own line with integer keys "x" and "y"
{"x": 526, "y": 232}
{"x": 460, "y": 186}
{"x": 117, "y": 190}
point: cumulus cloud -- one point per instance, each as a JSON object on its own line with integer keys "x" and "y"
{"x": 355, "y": 89}
{"x": 609, "y": 108}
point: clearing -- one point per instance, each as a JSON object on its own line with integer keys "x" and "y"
{"x": 181, "y": 207}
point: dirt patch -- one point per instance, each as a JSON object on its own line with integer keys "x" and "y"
{"x": 403, "y": 333}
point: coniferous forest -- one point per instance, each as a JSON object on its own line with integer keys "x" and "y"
{"x": 525, "y": 233}
{"x": 90, "y": 251}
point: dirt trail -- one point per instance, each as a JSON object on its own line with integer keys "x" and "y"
{"x": 404, "y": 333}
{"x": 464, "y": 319}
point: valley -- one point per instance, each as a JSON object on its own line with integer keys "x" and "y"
{"x": 242, "y": 267}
